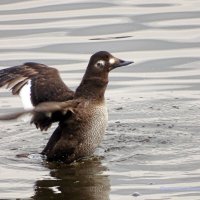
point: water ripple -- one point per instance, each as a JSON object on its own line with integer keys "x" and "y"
{"x": 151, "y": 149}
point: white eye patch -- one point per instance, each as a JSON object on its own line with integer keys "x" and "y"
{"x": 112, "y": 61}
{"x": 100, "y": 63}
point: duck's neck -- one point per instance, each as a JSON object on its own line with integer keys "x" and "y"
{"x": 92, "y": 88}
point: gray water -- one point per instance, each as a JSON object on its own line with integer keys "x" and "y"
{"x": 151, "y": 148}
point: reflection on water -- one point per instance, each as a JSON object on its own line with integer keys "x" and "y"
{"x": 79, "y": 181}
{"x": 151, "y": 148}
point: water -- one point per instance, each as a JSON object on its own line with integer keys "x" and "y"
{"x": 151, "y": 149}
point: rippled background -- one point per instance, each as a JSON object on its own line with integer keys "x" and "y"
{"x": 151, "y": 149}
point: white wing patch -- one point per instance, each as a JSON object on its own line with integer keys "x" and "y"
{"x": 25, "y": 95}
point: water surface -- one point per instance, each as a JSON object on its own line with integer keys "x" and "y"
{"x": 151, "y": 147}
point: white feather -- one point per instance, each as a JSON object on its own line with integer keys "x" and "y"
{"x": 25, "y": 95}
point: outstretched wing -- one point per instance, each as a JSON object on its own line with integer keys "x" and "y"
{"x": 35, "y": 83}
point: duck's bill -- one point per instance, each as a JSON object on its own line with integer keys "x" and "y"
{"x": 120, "y": 63}
{"x": 124, "y": 63}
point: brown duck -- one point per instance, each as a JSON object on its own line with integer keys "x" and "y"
{"x": 81, "y": 115}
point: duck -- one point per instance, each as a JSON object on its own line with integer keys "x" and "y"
{"x": 81, "y": 115}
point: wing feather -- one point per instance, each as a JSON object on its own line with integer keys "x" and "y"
{"x": 46, "y": 84}
{"x": 44, "y": 114}
{"x": 36, "y": 83}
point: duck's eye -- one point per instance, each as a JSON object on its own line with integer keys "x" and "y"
{"x": 100, "y": 63}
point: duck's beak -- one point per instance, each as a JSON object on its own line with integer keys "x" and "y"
{"x": 115, "y": 63}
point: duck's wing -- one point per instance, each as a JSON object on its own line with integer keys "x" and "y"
{"x": 44, "y": 114}
{"x": 35, "y": 83}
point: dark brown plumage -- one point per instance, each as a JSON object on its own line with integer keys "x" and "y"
{"x": 81, "y": 115}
